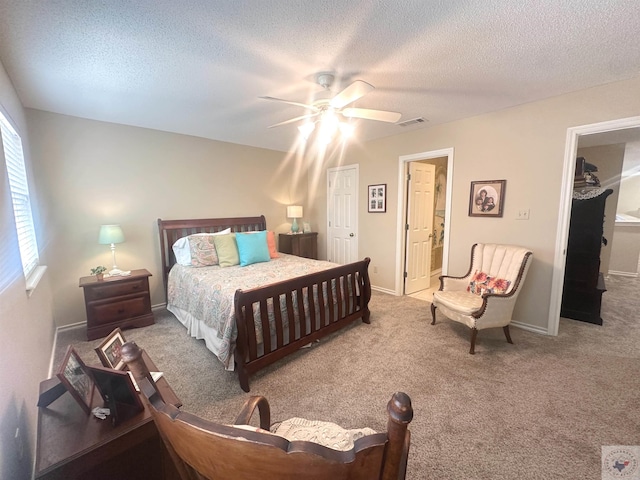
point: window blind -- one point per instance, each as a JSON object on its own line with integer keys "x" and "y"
{"x": 16, "y": 172}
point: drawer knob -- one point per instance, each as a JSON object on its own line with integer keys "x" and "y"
{"x": 121, "y": 310}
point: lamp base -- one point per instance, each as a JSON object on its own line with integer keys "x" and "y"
{"x": 116, "y": 272}
{"x": 294, "y": 226}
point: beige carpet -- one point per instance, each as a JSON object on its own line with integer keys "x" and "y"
{"x": 541, "y": 408}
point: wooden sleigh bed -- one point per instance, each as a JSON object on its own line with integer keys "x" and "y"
{"x": 311, "y": 306}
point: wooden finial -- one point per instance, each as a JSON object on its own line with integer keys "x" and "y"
{"x": 132, "y": 356}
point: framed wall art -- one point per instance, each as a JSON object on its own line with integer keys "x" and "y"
{"x": 75, "y": 377}
{"x": 109, "y": 350}
{"x": 377, "y": 199}
{"x": 487, "y": 198}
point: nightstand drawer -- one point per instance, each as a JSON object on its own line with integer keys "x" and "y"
{"x": 108, "y": 290}
{"x": 109, "y": 312}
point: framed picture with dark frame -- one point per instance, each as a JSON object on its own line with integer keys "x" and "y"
{"x": 377, "y": 198}
{"x": 109, "y": 350}
{"x": 118, "y": 392}
{"x": 75, "y": 377}
{"x": 487, "y": 198}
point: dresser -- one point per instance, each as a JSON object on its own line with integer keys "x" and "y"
{"x": 300, "y": 244}
{"x": 72, "y": 445}
{"x": 583, "y": 281}
{"x": 117, "y": 302}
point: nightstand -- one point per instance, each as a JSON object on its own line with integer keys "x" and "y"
{"x": 300, "y": 244}
{"x": 117, "y": 302}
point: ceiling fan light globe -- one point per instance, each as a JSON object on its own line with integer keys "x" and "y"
{"x": 346, "y": 129}
{"x": 307, "y": 129}
{"x": 330, "y": 122}
{"x": 325, "y": 138}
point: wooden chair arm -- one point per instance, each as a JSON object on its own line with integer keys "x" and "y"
{"x": 244, "y": 417}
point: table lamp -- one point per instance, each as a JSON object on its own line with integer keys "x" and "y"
{"x": 110, "y": 235}
{"x": 295, "y": 212}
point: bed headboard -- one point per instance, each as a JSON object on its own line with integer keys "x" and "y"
{"x": 172, "y": 230}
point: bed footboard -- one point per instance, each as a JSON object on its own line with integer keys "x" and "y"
{"x": 276, "y": 320}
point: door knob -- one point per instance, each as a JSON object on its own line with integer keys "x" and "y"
{"x": 351, "y": 234}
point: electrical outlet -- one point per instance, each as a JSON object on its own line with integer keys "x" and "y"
{"x": 375, "y": 269}
{"x": 523, "y": 214}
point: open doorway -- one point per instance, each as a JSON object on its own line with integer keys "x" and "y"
{"x": 422, "y": 252}
{"x": 617, "y": 131}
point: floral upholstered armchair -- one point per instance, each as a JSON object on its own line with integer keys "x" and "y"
{"x": 486, "y": 296}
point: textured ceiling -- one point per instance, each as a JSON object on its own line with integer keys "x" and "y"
{"x": 198, "y": 67}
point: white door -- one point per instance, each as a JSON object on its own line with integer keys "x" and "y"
{"x": 342, "y": 214}
{"x": 419, "y": 226}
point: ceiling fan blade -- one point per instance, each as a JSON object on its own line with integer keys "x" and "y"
{"x": 368, "y": 114}
{"x": 311, "y": 115}
{"x": 352, "y": 93}
{"x": 303, "y": 105}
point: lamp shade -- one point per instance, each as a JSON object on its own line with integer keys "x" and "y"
{"x": 110, "y": 234}
{"x": 294, "y": 211}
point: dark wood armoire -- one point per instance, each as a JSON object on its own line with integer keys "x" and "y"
{"x": 583, "y": 281}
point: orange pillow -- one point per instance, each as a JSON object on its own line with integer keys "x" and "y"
{"x": 271, "y": 243}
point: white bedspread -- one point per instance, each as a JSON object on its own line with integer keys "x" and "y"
{"x": 202, "y": 297}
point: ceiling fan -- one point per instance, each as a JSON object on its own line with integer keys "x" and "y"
{"x": 324, "y": 104}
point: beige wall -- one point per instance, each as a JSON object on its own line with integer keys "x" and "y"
{"x": 608, "y": 159}
{"x": 94, "y": 173}
{"x": 629, "y": 200}
{"x": 524, "y": 145}
{"x": 27, "y": 324}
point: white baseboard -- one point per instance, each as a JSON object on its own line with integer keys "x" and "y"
{"x": 530, "y": 328}
{"x": 71, "y": 326}
{"x": 53, "y": 350}
{"x": 623, "y": 274}
{"x": 383, "y": 290}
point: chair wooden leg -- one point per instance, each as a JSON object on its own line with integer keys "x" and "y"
{"x": 474, "y": 334}
{"x": 433, "y": 314}
{"x": 507, "y": 334}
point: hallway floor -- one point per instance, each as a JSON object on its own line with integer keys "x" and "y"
{"x": 426, "y": 294}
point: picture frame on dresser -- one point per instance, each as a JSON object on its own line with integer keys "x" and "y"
{"x": 118, "y": 392}
{"x": 77, "y": 380}
{"x": 109, "y": 350}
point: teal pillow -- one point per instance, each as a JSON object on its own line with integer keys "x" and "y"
{"x": 252, "y": 247}
{"x": 227, "y": 249}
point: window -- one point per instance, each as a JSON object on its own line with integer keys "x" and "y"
{"x": 16, "y": 171}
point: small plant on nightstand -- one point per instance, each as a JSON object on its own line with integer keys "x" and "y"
{"x": 99, "y": 272}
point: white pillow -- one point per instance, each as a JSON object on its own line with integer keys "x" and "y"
{"x": 181, "y": 246}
